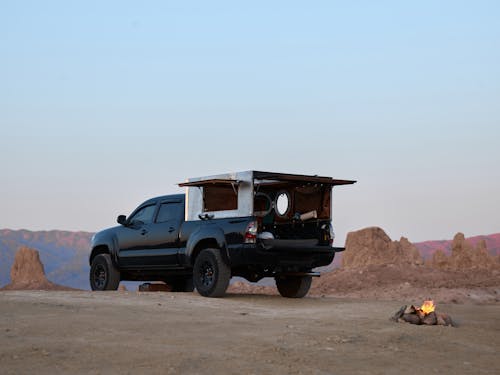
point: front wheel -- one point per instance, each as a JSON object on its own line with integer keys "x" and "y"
{"x": 211, "y": 274}
{"x": 293, "y": 286}
{"x": 103, "y": 274}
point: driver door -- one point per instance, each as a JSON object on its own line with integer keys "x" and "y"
{"x": 134, "y": 239}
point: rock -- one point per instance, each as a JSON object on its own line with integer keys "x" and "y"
{"x": 430, "y": 319}
{"x": 398, "y": 314}
{"x": 372, "y": 246}
{"x": 122, "y": 288}
{"x": 439, "y": 260}
{"x": 444, "y": 320}
{"x": 27, "y": 273}
{"x": 27, "y": 268}
{"x": 481, "y": 258}
{"x": 464, "y": 256}
{"x": 461, "y": 253}
{"x": 420, "y": 314}
{"x": 411, "y": 318}
{"x": 410, "y": 310}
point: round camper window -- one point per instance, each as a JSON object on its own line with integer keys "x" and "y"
{"x": 262, "y": 204}
{"x": 282, "y": 203}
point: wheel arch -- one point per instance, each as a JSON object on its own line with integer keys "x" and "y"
{"x": 99, "y": 249}
{"x": 207, "y": 243}
{"x": 104, "y": 243}
{"x": 204, "y": 239}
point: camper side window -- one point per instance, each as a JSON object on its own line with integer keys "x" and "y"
{"x": 220, "y": 198}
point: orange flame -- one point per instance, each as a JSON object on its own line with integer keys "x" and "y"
{"x": 428, "y": 307}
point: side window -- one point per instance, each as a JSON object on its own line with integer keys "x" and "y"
{"x": 170, "y": 211}
{"x": 219, "y": 198}
{"x": 144, "y": 215}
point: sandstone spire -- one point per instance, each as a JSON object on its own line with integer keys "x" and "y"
{"x": 372, "y": 246}
{"x": 27, "y": 272}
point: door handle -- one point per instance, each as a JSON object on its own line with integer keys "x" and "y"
{"x": 171, "y": 229}
{"x": 144, "y": 231}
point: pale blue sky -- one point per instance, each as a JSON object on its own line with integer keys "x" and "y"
{"x": 104, "y": 104}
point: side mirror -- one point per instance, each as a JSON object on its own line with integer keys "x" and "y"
{"x": 122, "y": 219}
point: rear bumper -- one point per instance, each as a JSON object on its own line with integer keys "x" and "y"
{"x": 301, "y": 246}
{"x": 282, "y": 253}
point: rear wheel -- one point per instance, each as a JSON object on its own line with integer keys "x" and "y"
{"x": 293, "y": 286}
{"x": 211, "y": 274}
{"x": 103, "y": 274}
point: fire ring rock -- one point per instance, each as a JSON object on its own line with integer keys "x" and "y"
{"x": 430, "y": 319}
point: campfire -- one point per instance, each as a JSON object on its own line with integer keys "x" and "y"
{"x": 424, "y": 314}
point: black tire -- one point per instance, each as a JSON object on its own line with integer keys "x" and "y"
{"x": 103, "y": 274}
{"x": 211, "y": 274}
{"x": 293, "y": 286}
{"x": 181, "y": 284}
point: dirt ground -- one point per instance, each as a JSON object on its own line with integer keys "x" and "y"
{"x": 171, "y": 333}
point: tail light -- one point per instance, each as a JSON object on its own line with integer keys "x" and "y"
{"x": 251, "y": 232}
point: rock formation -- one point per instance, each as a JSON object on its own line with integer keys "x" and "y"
{"x": 374, "y": 266}
{"x": 27, "y": 272}
{"x": 439, "y": 260}
{"x": 372, "y": 246}
{"x": 122, "y": 288}
{"x": 464, "y": 256}
{"x": 27, "y": 267}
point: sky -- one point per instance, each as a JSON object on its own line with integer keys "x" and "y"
{"x": 106, "y": 104}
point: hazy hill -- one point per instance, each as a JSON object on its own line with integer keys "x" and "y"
{"x": 65, "y": 254}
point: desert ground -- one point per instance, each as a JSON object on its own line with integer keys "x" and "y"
{"x": 79, "y": 332}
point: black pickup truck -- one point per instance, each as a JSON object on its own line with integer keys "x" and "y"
{"x": 249, "y": 224}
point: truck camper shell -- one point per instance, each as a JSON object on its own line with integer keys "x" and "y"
{"x": 239, "y": 194}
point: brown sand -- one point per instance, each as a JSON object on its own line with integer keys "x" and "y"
{"x": 173, "y": 333}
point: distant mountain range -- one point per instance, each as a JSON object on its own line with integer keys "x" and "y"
{"x": 65, "y": 254}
